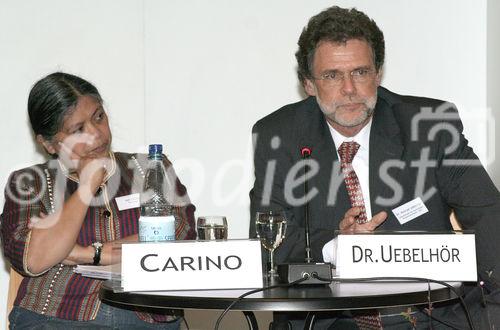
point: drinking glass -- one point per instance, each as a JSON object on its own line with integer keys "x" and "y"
{"x": 271, "y": 228}
{"x": 212, "y": 227}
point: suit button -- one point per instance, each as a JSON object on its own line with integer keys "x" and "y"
{"x": 106, "y": 214}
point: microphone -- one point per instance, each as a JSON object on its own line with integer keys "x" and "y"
{"x": 316, "y": 273}
{"x": 305, "y": 152}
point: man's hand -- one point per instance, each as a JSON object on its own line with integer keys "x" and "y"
{"x": 349, "y": 222}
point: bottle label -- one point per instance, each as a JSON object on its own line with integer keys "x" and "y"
{"x": 156, "y": 229}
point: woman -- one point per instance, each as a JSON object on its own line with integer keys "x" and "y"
{"x": 64, "y": 213}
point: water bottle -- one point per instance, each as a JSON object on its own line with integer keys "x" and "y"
{"x": 157, "y": 222}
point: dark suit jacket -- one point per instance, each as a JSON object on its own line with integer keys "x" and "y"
{"x": 416, "y": 150}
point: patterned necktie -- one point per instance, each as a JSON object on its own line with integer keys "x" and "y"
{"x": 368, "y": 319}
{"x": 347, "y": 151}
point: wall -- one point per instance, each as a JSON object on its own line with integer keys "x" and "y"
{"x": 493, "y": 84}
{"x": 196, "y": 75}
{"x": 100, "y": 40}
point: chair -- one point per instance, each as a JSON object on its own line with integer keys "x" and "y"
{"x": 454, "y": 221}
{"x": 14, "y": 282}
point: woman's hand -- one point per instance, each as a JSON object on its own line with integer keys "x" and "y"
{"x": 111, "y": 253}
{"x": 79, "y": 255}
{"x": 92, "y": 171}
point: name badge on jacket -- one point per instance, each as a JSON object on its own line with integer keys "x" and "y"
{"x": 410, "y": 210}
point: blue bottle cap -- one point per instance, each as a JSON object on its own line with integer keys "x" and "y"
{"x": 155, "y": 149}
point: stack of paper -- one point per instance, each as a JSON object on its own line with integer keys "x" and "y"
{"x": 110, "y": 272}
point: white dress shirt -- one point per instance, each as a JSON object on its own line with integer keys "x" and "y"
{"x": 360, "y": 164}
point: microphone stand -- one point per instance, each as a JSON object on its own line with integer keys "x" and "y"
{"x": 306, "y": 153}
{"x": 316, "y": 273}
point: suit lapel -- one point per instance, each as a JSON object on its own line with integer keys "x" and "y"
{"x": 385, "y": 145}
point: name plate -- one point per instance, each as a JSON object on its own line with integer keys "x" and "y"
{"x": 442, "y": 257}
{"x": 191, "y": 265}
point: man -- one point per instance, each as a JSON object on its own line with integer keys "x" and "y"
{"x": 390, "y": 149}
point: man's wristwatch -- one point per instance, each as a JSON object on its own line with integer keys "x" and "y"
{"x": 97, "y": 252}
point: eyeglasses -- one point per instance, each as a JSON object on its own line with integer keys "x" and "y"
{"x": 335, "y": 77}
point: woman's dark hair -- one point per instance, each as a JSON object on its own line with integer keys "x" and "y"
{"x": 337, "y": 24}
{"x": 52, "y": 97}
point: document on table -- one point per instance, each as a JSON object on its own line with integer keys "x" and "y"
{"x": 109, "y": 272}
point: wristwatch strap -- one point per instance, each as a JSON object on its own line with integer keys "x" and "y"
{"x": 97, "y": 252}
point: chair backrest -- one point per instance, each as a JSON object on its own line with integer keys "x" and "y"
{"x": 454, "y": 222}
{"x": 14, "y": 282}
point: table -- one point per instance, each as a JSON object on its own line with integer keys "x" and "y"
{"x": 336, "y": 296}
